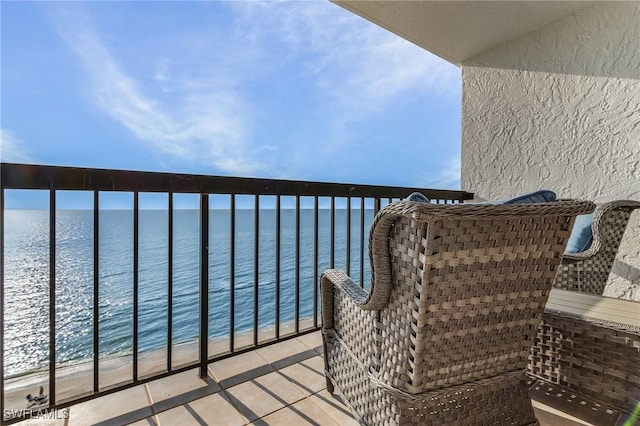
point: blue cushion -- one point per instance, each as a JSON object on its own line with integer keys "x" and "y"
{"x": 581, "y": 235}
{"x": 418, "y": 197}
{"x": 542, "y": 196}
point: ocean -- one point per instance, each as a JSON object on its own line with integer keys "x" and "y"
{"x": 27, "y": 263}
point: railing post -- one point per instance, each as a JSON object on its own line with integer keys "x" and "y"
{"x": 333, "y": 233}
{"x": 348, "y": 254}
{"x": 232, "y": 273}
{"x": 297, "y": 304}
{"x": 362, "y": 207}
{"x": 2, "y": 302}
{"x": 256, "y": 269}
{"x": 277, "y": 296}
{"x": 136, "y": 248}
{"x": 316, "y": 254}
{"x": 204, "y": 284}
{"x": 52, "y": 297}
{"x": 96, "y": 291}
{"x": 170, "y": 284}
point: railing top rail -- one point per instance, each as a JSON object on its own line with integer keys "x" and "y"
{"x": 27, "y": 176}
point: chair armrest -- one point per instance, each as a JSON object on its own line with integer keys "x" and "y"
{"x": 335, "y": 279}
{"x": 343, "y": 282}
{"x": 599, "y": 228}
{"x": 344, "y": 315}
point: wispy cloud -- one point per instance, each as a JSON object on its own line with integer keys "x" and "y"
{"x": 354, "y": 62}
{"x": 356, "y": 68}
{"x": 12, "y": 149}
{"x": 448, "y": 177}
{"x": 202, "y": 124}
{"x": 211, "y": 104}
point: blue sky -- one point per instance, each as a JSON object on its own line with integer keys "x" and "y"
{"x": 291, "y": 90}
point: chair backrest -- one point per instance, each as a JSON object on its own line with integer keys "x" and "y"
{"x": 466, "y": 286}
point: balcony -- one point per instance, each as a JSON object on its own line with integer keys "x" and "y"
{"x": 250, "y": 358}
{"x": 280, "y": 384}
{"x": 256, "y": 247}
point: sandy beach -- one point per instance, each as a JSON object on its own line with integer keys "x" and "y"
{"x": 76, "y": 380}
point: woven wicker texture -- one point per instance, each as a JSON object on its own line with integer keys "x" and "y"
{"x": 590, "y": 357}
{"x": 588, "y": 272}
{"x": 457, "y": 294}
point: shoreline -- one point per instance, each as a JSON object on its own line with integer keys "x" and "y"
{"x": 76, "y": 379}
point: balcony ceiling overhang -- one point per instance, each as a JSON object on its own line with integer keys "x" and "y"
{"x": 460, "y": 30}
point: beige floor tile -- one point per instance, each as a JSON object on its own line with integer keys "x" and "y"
{"x": 302, "y": 413}
{"x": 316, "y": 363}
{"x": 42, "y": 422}
{"x": 149, "y": 421}
{"x": 548, "y": 419}
{"x": 312, "y": 340}
{"x": 178, "y": 416}
{"x": 290, "y": 392}
{"x": 179, "y": 389}
{"x": 126, "y": 406}
{"x": 335, "y": 407}
{"x": 549, "y": 416}
{"x": 231, "y": 371}
{"x": 216, "y": 410}
{"x": 264, "y": 395}
{"x": 308, "y": 375}
{"x": 284, "y": 353}
{"x": 278, "y": 386}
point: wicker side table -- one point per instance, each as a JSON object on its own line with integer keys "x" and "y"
{"x": 595, "y": 357}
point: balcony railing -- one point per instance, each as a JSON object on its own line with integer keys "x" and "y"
{"x": 336, "y": 219}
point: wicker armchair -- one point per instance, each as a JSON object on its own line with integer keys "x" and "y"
{"x": 588, "y": 271}
{"x": 457, "y": 294}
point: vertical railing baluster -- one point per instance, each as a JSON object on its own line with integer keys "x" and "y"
{"x": 277, "y": 298}
{"x": 348, "y": 259}
{"x": 256, "y": 263}
{"x": 232, "y": 276}
{"x": 204, "y": 284}
{"x": 2, "y": 298}
{"x": 52, "y": 297}
{"x": 170, "y": 283}
{"x": 136, "y": 278}
{"x": 297, "y": 307}
{"x": 333, "y": 232}
{"x": 362, "y": 242}
{"x": 376, "y": 206}
{"x": 316, "y": 278}
{"x": 96, "y": 291}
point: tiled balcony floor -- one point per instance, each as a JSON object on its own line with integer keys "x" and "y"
{"x": 282, "y": 384}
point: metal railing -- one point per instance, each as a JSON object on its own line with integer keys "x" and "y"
{"x": 324, "y": 198}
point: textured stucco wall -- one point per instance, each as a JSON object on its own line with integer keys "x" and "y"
{"x": 559, "y": 108}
